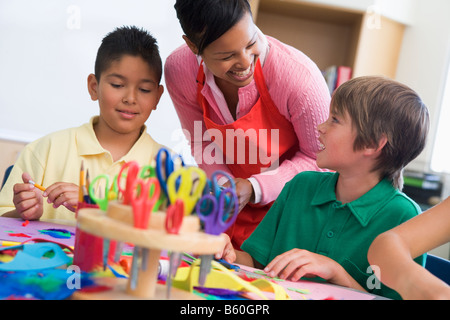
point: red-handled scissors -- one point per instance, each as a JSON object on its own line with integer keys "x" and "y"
{"x": 174, "y": 219}
{"x": 132, "y": 170}
{"x": 144, "y": 196}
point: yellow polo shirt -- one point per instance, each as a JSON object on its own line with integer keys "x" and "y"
{"x": 57, "y": 157}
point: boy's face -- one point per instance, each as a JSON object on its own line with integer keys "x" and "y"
{"x": 128, "y": 91}
{"x": 337, "y": 137}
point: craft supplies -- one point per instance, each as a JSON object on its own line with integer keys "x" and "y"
{"x": 218, "y": 209}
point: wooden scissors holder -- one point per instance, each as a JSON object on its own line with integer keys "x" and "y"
{"x": 117, "y": 224}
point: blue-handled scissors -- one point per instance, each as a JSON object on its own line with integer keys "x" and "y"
{"x": 165, "y": 165}
{"x": 215, "y": 185}
{"x": 186, "y": 184}
{"x": 218, "y": 214}
{"x": 110, "y": 191}
{"x": 218, "y": 210}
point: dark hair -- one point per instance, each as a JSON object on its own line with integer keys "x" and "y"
{"x": 128, "y": 41}
{"x": 380, "y": 107}
{"x": 204, "y": 21}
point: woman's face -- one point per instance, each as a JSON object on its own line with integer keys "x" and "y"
{"x": 232, "y": 57}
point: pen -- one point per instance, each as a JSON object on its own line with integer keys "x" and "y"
{"x": 36, "y": 185}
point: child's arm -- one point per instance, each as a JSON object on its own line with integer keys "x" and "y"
{"x": 298, "y": 263}
{"x": 393, "y": 252}
{"x": 235, "y": 256}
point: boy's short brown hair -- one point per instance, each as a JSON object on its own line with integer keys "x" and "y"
{"x": 380, "y": 107}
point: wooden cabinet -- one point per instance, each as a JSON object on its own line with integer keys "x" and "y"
{"x": 366, "y": 41}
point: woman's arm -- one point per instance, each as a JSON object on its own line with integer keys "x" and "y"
{"x": 302, "y": 98}
{"x": 393, "y": 252}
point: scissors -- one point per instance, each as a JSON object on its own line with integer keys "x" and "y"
{"x": 109, "y": 194}
{"x": 147, "y": 171}
{"x": 187, "y": 184}
{"x": 174, "y": 219}
{"x": 129, "y": 170}
{"x": 165, "y": 165}
{"x": 215, "y": 185}
{"x": 218, "y": 213}
{"x": 145, "y": 194}
{"x": 184, "y": 186}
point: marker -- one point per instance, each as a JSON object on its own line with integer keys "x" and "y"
{"x": 36, "y": 185}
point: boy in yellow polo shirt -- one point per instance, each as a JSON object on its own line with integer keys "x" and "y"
{"x": 126, "y": 84}
{"x": 322, "y": 223}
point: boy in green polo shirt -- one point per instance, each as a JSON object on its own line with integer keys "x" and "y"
{"x": 323, "y": 223}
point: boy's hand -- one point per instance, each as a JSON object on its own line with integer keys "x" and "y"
{"x": 228, "y": 253}
{"x": 62, "y": 193}
{"x": 297, "y": 263}
{"x": 27, "y": 199}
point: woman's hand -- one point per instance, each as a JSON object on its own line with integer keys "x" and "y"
{"x": 244, "y": 191}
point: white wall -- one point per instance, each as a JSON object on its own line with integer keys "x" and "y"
{"x": 424, "y": 62}
{"x": 47, "y": 50}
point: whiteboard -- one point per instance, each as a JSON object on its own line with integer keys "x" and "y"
{"x": 47, "y": 51}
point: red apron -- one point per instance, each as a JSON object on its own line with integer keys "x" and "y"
{"x": 261, "y": 121}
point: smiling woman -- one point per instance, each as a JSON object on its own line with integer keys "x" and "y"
{"x": 234, "y": 80}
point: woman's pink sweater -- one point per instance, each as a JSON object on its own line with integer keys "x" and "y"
{"x": 296, "y": 86}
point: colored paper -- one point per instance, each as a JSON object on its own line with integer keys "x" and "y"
{"x": 310, "y": 290}
{"x": 12, "y": 229}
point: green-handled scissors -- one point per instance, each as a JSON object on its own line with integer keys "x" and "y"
{"x": 110, "y": 191}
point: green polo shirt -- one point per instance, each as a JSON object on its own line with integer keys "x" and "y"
{"x": 306, "y": 215}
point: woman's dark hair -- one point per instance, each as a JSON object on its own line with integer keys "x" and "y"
{"x": 204, "y": 21}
